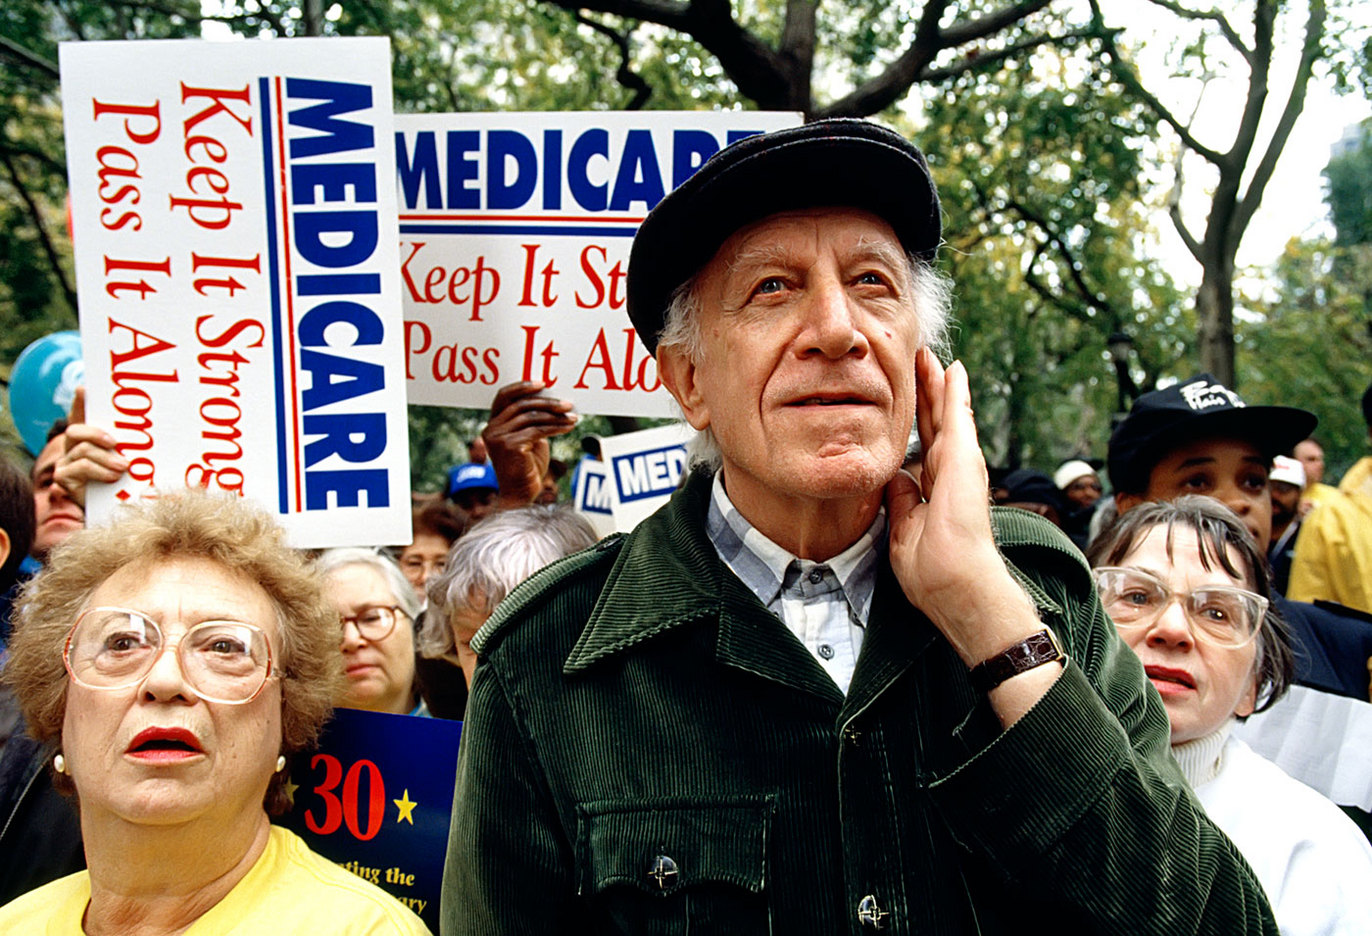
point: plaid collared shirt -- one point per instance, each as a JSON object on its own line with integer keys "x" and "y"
{"x": 825, "y": 604}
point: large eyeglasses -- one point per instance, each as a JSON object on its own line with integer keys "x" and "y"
{"x": 114, "y": 648}
{"x": 1218, "y": 614}
{"x": 374, "y": 624}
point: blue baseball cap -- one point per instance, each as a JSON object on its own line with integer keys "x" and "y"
{"x": 470, "y": 476}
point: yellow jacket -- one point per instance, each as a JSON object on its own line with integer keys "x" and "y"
{"x": 1333, "y": 557}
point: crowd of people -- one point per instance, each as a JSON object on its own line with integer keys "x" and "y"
{"x": 828, "y": 688}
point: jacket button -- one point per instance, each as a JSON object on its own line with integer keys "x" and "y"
{"x": 869, "y": 914}
{"x": 852, "y": 735}
{"x": 663, "y": 872}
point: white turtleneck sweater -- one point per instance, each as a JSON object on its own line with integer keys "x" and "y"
{"x": 1314, "y": 863}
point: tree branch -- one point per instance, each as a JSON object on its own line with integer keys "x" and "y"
{"x": 625, "y": 75}
{"x": 990, "y": 24}
{"x": 983, "y": 60}
{"x": 750, "y": 64}
{"x": 48, "y": 249}
{"x": 1214, "y": 16}
{"x": 26, "y": 57}
{"x": 1127, "y": 75}
{"x": 1088, "y": 295}
{"x": 1295, "y": 104}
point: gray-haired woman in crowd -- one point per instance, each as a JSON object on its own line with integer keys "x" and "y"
{"x": 378, "y": 609}
{"x": 485, "y": 565}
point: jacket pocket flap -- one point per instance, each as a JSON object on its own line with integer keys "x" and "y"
{"x": 662, "y": 846}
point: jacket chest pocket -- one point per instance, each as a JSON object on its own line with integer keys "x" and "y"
{"x": 659, "y": 867}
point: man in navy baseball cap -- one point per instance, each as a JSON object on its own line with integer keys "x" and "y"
{"x": 1199, "y": 437}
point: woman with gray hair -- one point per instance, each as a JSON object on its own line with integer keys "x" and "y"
{"x": 378, "y": 609}
{"x": 485, "y": 565}
{"x": 1189, "y": 592}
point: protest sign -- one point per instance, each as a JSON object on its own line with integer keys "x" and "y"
{"x": 376, "y": 797}
{"x": 515, "y": 234}
{"x": 234, "y": 220}
{"x": 644, "y": 470}
{"x": 592, "y": 497}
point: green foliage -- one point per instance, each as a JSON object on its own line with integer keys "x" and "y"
{"x": 1348, "y": 178}
{"x": 1310, "y": 344}
{"x": 1039, "y": 168}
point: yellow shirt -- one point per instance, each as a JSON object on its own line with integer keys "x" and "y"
{"x": 289, "y": 890}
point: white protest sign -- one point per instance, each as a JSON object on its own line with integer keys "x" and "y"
{"x": 234, "y": 219}
{"x": 515, "y": 234}
{"x": 592, "y": 497}
{"x": 1321, "y": 739}
{"x": 644, "y": 470}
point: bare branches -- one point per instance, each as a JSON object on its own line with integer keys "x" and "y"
{"x": 1214, "y": 16}
{"x": 1295, "y": 103}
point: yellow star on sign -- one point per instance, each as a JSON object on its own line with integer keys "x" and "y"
{"x": 406, "y": 808}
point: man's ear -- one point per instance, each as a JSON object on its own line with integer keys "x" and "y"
{"x": 1127, "y": 502}
{"x": 680, "y": 376}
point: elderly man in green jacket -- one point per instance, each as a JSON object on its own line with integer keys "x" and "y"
{"x": 815, "y": 694}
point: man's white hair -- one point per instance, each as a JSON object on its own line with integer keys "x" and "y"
{"x": 931, "y": 306}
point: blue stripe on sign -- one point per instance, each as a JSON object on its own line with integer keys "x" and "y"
{"x": 516, "y": 229}
{"x": 274, "y": 288}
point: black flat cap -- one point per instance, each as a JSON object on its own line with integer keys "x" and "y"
{"x": 1197, "y": 408}
{"x": 829, "y": 163}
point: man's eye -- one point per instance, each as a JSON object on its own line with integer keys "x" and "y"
{"x": 871, "y": 278}
{"x": 772, "y": 284}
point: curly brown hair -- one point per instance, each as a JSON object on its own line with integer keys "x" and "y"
{"x": 191, "y": 524}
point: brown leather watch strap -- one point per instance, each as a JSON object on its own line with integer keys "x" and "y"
{"x": 1034, "y": 650}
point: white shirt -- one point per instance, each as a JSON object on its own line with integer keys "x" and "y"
{"x": 1314, "y": 863}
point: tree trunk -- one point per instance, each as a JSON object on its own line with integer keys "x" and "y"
{"x": 1215, "y": 310}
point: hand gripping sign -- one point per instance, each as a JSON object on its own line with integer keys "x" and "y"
{"x": 514, "y": 246}
{"x": 233, "y": 209}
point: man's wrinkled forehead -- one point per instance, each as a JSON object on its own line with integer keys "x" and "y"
{"x": 780, "y": 240}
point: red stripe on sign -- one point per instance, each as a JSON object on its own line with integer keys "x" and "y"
{"x": 289, "y": 290}
{"x": 577, "y": 219}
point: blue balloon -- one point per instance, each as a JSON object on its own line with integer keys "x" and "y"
{"x": 43, "y": 383}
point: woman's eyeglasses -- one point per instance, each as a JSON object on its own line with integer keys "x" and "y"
{"x": 115, "y": 648}
{"x": 374, "y": 624}
{"x": 1218, "y": 614}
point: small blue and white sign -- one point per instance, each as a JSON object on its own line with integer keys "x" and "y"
{"x": 644, "y": 470}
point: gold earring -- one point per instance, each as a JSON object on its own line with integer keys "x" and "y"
{"x": 280, "y": 762}
{"x": 59, "y": 764}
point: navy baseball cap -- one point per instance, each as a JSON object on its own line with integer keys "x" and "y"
{"x": 1198, "y": 408}
{"x": 840, "y": 163}
{"x": 471, "y": 475}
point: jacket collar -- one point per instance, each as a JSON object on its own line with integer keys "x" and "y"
{"x": 668, "y": 575}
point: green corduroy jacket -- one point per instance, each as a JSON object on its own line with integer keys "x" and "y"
{"x": 648, "y": 750}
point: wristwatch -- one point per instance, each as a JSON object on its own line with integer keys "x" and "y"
{"x": 1033, "y": 651}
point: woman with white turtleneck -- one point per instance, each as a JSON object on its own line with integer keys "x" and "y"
{"x": 1189, "y": 592}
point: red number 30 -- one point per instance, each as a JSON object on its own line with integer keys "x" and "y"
{"x": 337, "y": 811}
